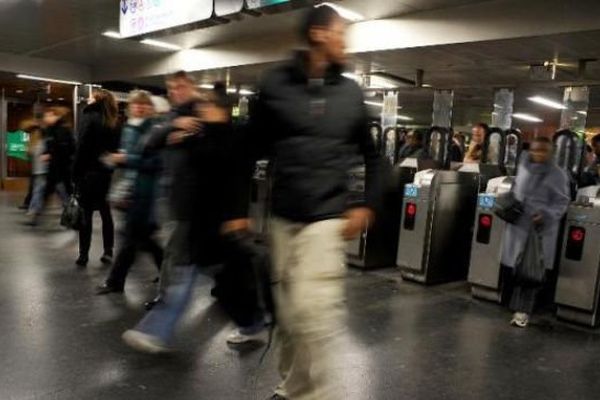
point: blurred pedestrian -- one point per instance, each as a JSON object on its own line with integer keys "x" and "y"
{"x": 92, "y": 170}
{"x": 199, "y": 134}
{"x": 140, "y": 178}
{"x": 414, "y": 147}
{"x": 543, "y": 189}
{"x": 475, "y": 150}
{"x": 311, "y": 121}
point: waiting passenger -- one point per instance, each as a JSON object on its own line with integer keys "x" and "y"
{"x": 457, "y": 148}
{"x": 414, "y": 147}
{"x": 589, "y": 175}
{"x": 543, "y": 189}
{"x": 474, "y": 153}
{"x": 140, "y": 178}
{"x": 98, "y": 137}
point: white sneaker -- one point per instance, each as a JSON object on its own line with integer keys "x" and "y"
{"x": 520, "y": 320}
{"x": 238, "y": 337}
{"x": 145, "y": 343}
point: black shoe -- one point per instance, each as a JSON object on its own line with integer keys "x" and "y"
{"x": 105, "y": 288}
{"x": 24, "y": 207}
{"x": 149, "y": 305}
{"x": 82, "y": 261}
{"x": 106, "y": 259}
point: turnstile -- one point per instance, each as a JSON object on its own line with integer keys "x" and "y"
{"x": 486, "y": 249}
{"x": 377, "y": 246}
{"x": 578, "y": 285}
{"x": 260, "y": 198}
{"x": 436, "y": 227}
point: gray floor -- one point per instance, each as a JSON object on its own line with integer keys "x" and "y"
{"x": 58, "y": 341}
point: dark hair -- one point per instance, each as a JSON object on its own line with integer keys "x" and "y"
{"x": 588, "y": 149}
{"x": 320, "y": 16}
{"x": 108, "y": 104}
{"x": 181, "y": 75}
{"x": 542, "y": 139}
{"x": 419, "y": 135}
{"x": 596, "y": 139}
{"x": 483, "y": 126}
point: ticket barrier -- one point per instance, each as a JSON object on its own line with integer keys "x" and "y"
{"x": 377, "y": 246}
{"x": 578, "y": 285}
{"x": 260, "y": 198}
{"x": 436, "y": 226}
{"x": 486, "y": 248}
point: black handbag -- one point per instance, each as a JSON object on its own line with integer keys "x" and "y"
{"x": 72, "y": 216}
{"x": 508, "y": 208}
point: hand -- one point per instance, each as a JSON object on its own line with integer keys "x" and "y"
{"x": 118, "y": 158}
{"x": 45, "y": 157}
{"x": 188, "y": 124}
{"x": 177, "y": 137}
{"x": 538, "y": 219}
{"x": 235, "y": 225}
{"x": 357, "y": 219}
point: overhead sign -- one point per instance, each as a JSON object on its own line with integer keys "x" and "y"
{"x": 228, "y": 7}
{"x": 138, "y": 17}
{"x": 254, "y": 4}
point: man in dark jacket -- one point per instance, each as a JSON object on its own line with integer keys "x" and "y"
{"x": 414, "y": 147}
{"x": 312, "y": 123}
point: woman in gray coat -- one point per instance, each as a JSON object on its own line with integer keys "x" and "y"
{"x": 543, "y": 188}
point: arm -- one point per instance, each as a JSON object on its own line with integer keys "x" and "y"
{"x": 84, "y": 147}
{"x": 559, "y": 201}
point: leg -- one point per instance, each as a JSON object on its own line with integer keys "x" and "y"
{"x": 151, "y": 246}
{"x": 85, "y": 234}
{"x": 124, "y": 261}
{"x": 312, "y": 287}
{"x": 524, "y": 298}
{"x": 37, "y": 198}
{"x": 108, "y": 228}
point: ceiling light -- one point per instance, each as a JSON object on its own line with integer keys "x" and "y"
{"x": 158, "y": 43}
{"x": 547, "y": 102}
{"x": 246, "y": 92}
{"x": 344, "y": 12}
{"x": 404, "y": 118}
{"x": 232, "y": 91}
{"x": 112, "y": 35}
{"x": 527, "y": 117}
{"x": 426, "y": 85}
{"x": 377, "y": 82}
{"x": 207, "y": 86}
{"x": 19, "y": 91}
{"x": 49, "y": 100}
{"x": 61, "y": 99}
{"x": 39, "y": 78}
{"x": 582, "y": 112}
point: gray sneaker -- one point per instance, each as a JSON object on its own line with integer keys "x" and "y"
{"x": 520, "y": 320}
{"x": 145, "y": 343}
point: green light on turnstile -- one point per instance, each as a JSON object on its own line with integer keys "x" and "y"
{"x": 264, "y": 3}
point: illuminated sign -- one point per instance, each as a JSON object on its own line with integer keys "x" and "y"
{"x": 411, "y": 191}
{"x": 253, "y": 4}
{"x": 138, "y": 17}
{"x": 486, "y": 201}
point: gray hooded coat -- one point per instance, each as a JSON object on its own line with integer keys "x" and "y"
{"x": 543, "y": 189}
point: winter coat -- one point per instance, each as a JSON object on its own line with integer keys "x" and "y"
{"x": 143, "y": 169}
{"x": 312, "y": 130}
{"x": 91, "y": 176}
{"x": 60, "y": 145}
{"x": 202, "y": 182}
{"x": 408, "y": 151}
{"x": 543, "y": 189}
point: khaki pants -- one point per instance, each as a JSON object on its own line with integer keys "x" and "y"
{"x": 309, "y": 270}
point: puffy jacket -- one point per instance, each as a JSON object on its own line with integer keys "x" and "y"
{"x": 312, "y": 131}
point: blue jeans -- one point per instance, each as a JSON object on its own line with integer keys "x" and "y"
{"x": 162, "y": 320}
{"x": 37, "y": 198}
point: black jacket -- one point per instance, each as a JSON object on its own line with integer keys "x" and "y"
{"x": 202, "y": 181}
{"x": 60, "y": 145}
{"x": 312, "y": 132}
{"x": 96, "y": 138}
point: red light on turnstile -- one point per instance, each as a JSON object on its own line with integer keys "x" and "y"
{"x": 485, "y": 221}
{"x": 577, "y": 235}
{"x": 411, "y": 210}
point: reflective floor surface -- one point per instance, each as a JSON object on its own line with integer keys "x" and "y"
{"x": 59, "y": 341}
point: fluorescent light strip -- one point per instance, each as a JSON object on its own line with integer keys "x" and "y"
{"x": 344, "y": 12}
{"x": 404, "y": 118}
{"x": 112, "y": 35}
{"x": 246, "y": 92}
{"x": 547, "y": 102}
{"x": 582, "y": 113}
{"x": 158, "y": 43}
{"x": 207, "y": 86}
{"x": 527, "y": 117}
{"x": 39, "y": 78}
{"x": 373, "y": 103}
{"x": 232, "y": 91}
